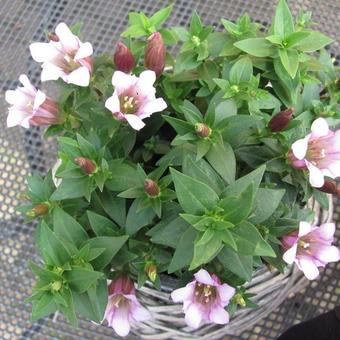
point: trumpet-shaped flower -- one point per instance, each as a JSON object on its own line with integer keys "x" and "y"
{"x": 310, "y": 247}
{"x": 319, "y": 152}
{"x": 123, "y": 308}
{"x": 134, "y": 98}
{"x": 30, "y": 106}
{"x": 65, "y": 57}
{"x": 204, "y": 299}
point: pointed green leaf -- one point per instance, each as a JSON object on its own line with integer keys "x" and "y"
{"x": 314, "y": 42}
{"x": 80, "y": 279}
{"x": 289, "y": 60}
{"x": 241, "y": 71}
{"x": 283, "y": 21}
{"x": 101, "y": 225}
{"x": 258, "y": 47}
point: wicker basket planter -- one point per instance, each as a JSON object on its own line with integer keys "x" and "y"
{"x": 271, "y": 289}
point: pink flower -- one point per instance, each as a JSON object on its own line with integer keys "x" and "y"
{"x": 30, "y": 106}
{"x": 310, "y": 248}
{"x": 319, "y": 152}
{"x": 123, "y": 308}
{"x": 204, "y": 299}
{"x": 64, "y": 57}
{"x": 134, "y": 98}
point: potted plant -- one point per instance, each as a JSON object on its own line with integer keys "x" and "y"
{"x": 183, "y": 180}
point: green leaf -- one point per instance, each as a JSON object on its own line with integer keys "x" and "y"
{"x": 222, "y": 158}
{"x": 239, "y": 264}
{"x": 275, "y": 39}
{"x": 295, "y": 38}
{"x": 87, "y": 149}
{"x": 289, "y": 60}
{"x": 124, "y": 176}
{"x": 92, "y": 303}
{"x": 202, "y": 171}
{"x": 136, "y": 220}
{"x": 69, "y": 310}
{"x": 44, "y": 306}
{"x": 237, "y": 209}
{"x": 206, "y": 251}
{"x": 283, "y": 20}
{"x": 115, "y": 207}
{"x": 184, "y": 251}
{"x": 111, "y": 245}
{"x": 101, "y": 225}
{"x": 171, "y": 233}
{"x": 160, "y": 16}
{"x": 51, "y": 246}
{"x": 265, "y": 204}
{"x": 191, "y": 112}
{"x": 314, "y": 42}
{"x": 227, "y": 238}
{"x": 258, "y": 47}
{"x": 181, "y": 127}
{"x": 73, "y": 188}
{"x": 66, "y": 227}
{"x": 250, "y": 242}
{"x": 242, "y": 183}
{"x": 195, "y": 24}
{"x": 194, "y": 196}
{"x": 241, "y": 71}
{"x": 80, "y": 279}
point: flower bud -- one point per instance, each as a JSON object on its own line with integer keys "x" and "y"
{"x": 151, "y": 270}
{"x": 330, "y": 187}
{"x": 52, "y": 37}
{"x": 281, "y": 120}
{"x": 123, "y": 58}
{"x": 240, "y": 300}
{"x": 151, "y": 188}
{"x": 38, "y": 210}
{"x": 154, "y": 58}
{"x": 202, "y": 130}
{"x": 88, "y": 166}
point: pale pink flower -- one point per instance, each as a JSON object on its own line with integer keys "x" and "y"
{"x": 30, "y": 106}
{"x": 134, "y": 98}
{"x": 204, "y": 299}
{"x": 64, "y": 57}
{"x": 123, "y": 308}
{"x": 319, "y": 152}
{"x": 310, "y": 248}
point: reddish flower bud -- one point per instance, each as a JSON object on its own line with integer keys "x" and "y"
{"x": 88, "y": 166}
{"x": 123, "y": 285}
{"x": 281, "y": 120}
{"x": 52, "y": 36}
{"x": 151, "y": 188}
{"x": 38, "y": 210}
{"x": 154, "y": 58}
{"x": 330, "y": 187}
{"x": 123, "y": 58}
{"x": 202, "y": 130}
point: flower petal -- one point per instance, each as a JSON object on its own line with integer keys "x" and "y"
{"x": 219, "y": 315}
{"x": 184, "y": 293}
{"x": 67, "y": 38}
{"x": 80, "y": 77}
{"x": 193, "y": 316}
{"x": 135, "y": 122}
{"x": 112, "y": 103}
{"x": 42, "y": 52}
{"x": 300, "y": 147}
{"x": 120, "y": 321}
{"x": 309, "y": 268}
{"x": 225, "y": 292}
{"x": 26, "y": 83}
{"x": 85, "y": 50}
{"x": 39, "y": 99}
{"x": 121, "y": 80}
{"x": 146, "y": 79}
{"x": 18, "y": 117}
{"x": 320, "y": 127}
{"x": 14, "y": 97}
{"x": 152, "y": 106}
{"x": 304, "y": 228}
{"x": 327, "y": 253}
{"x": 326, "y": 231}
{"x": 51, "y": 72}
{"x": 203, "y": 276}
{"x": 316, "y": 178}
{"x": 290, "y": 255}
{"x": 140, "y": 313}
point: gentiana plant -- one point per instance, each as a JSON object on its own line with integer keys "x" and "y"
{"x": 197, "y": 166}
